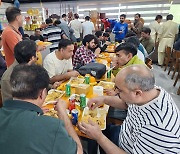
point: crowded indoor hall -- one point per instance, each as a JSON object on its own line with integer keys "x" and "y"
{"x": 89, "y": 77}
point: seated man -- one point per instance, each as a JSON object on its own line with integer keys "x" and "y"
{"x": 153, "y": 120}
{"x": 24, "y": 128}
{"x": 102, "y": 40}
{"x": 126, "y": 54}
{"x": 84, "y": 53}
{"x": 146, "y": 40}
{"x": 24, "y": 52}
{"x": 37, "y": 35}
{"x": 59, "y": 63}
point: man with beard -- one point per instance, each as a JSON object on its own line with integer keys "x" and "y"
{"x": 120, "y": 29}
{"x": 138, "y": 25}
{"x": 84, "y": 53}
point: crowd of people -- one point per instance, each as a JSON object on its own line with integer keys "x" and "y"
{"x": 151, "y": 119}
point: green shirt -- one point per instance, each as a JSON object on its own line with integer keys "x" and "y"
{"x": 134, "y": 60}
{"x": 25, "y": 130}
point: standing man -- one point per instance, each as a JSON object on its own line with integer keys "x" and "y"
{"x": 53, "y": 34}
{"x": 59, "y": 63}
{"x": 120, "y": 29}
{"x": 166, "y": 36}
{"x": 24, "y": 128}
{"x": 11, "y": 35}
{"x": 154, "y": 26}
{"x": 87, "y": 26}
{"x": 138, "y": 25}
{"x": 146, "y": 40}
{"x": 64, "y": 26}
{"x": 76, "y": 25}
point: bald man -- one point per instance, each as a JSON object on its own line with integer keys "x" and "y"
{"x": 153, "y": 120}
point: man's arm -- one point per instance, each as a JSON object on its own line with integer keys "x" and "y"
{"x": 64, "y": 77}
{"x": 92, "y": 130}
{"x": 113, "y": 101}
{"x": 62, "y": 114}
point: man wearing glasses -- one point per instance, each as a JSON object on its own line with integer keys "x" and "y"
{"x": 153, "y": 119}
{"x": 120, "y": 29}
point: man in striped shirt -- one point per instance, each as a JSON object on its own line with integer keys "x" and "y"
{"x": 53, "y": 34}
{"x": 152, "y": 124}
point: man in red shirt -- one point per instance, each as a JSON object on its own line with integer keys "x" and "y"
{"x": 11, "y": 35}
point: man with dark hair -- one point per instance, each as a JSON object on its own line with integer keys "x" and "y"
{"x": 76, "y": 25}
{"x": 53, "y": 34}
{"x": 153, "y": 120}
{"x": 87, "y": 27}
{"x": 138, "y": 25}
{"x": 24, "y": 52}
{"x": 166, "y": 37}
{"x": 84, "y": 53}
{"x": 146, "y": 40}
{"x": 24, "y": 128}
{"x": 59, "y": 62}
{"x": 120, "y": 29}
{"x": 37, "y": 35}
{"x": 102, "y": 40}
{"x": 11, "y": 35}
{"x": 154, "y": 26}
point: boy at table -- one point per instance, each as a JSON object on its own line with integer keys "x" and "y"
{"x": 153, "y": 120}
{"x": 24, "y": 128}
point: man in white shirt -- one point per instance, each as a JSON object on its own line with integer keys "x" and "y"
{"x": 59, "y": 63}
{"x": 87, "y": 26}
{"x": 153, "y": 120}
{"x": 166, "y": 36}
{"x": 154, "y": 26}
{"x": 76, "y": 25}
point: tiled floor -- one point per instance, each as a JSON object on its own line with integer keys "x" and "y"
{"x": 164, "y": 80}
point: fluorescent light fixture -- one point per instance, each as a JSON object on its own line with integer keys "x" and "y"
{"x": 109, "y": 8}
{"x": 148, "y": 6}
{"x": 81, "y": 15}
{"x": 86, "y": 9}
{"x": 111, "y": 14}
{"x": 149, "y": 12}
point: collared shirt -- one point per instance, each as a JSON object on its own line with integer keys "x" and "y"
{"x": 5, "y": 83}
{"x": 152, "y": 127}
{"x": 76, "y": 25}
{"x": 83, "y": 56}
{"x": 148, "y": 43}
{"x": 53, "y": 34}
{"x": 25, "y": 130}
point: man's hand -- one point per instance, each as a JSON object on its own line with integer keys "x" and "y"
{"x": 91, "y": 129}
{"x": 110, "y": 92}
{"x": 44, "y": 109}
{"x": 61, "y": 107}
{"x": 114, "y": 63}
{"x": 56, "y": 84}
{"x": 108, "y": 43}
{"x": 96, "y": 102}
{"x": 73, "y": 74}
{"x": 97, "y": 52}
{"x": 120, "y": 31}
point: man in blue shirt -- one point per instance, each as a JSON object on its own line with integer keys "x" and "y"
{"x": 120, "y": 29}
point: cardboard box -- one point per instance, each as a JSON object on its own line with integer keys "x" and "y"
{"x": 82, "y": 89}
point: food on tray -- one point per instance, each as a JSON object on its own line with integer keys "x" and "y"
{"x": 96, "y": 115}
{"x": 51, "y": 113}
{"x": 106, "y": 85}
{"x": 53, "y": 95}
{"x": 76, "y": 81}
